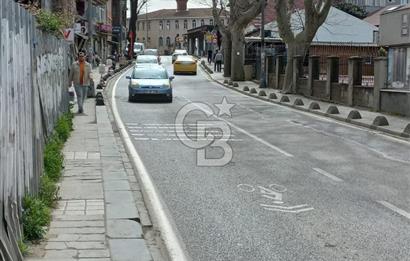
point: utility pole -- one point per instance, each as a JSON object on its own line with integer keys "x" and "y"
{"x": 262, "y": 82}
{"x": 90, "y": 23}
{"x": 146, "y": 22}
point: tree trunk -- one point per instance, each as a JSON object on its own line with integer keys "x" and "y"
{"x": 238, "y": 55}
{"x": 227, "y": 51}
{"x": 293, "y": 49}
{"x": 132, "y": 28}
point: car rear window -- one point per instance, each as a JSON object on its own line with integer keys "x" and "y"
{"x": 149, "y": 73}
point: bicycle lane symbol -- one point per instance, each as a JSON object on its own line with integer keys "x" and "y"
{"x": 274, "y": 194}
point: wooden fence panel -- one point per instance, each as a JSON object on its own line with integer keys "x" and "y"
{"x": 33, "y": 94}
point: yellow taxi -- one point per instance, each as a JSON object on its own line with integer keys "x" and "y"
{"x": 185, "y": 64}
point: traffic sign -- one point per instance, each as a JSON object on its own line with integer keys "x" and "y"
{"x": 69, "y": 34}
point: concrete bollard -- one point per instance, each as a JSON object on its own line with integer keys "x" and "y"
{"x": 262, "y": 93}
{"x": 246, "y": 89}
{"x": 230, "y": 82}
{"x": 226, "y": 81}
{"x": 314, "y": 106}
{"x": 380, "y": 121}
{"x": 273, "y": 96}
{"x": 406, "y": 132}
{"x": 235, "y": 84}
{"x": 298, "y": 102}
{"x": 332, "y": 110}
{"x": 354, "y": 115}
{"x": 284, "y": 98}
{"x": 99, "y": 98}
{"x": 253, "y": 90}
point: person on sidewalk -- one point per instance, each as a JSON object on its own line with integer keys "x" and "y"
{"x": 218, "y": 61}
{"x": 80, "y": 75}
{"x": 210, "y": 55}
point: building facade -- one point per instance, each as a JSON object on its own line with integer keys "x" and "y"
{"x": 395, "y": 36}
{"x": 165, "y": 29}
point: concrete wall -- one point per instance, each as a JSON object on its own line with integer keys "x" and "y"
{"x": 319, "y": 89}
{"x": 303, "y": 86}
{"x": 391, "y": 28}
{"x": 363, "y": 96}
{"x": 338, "y": 93}
{"x": 33, "y": 94}
{"x": 395, "y": 102}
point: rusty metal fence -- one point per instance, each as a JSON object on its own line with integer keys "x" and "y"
{"x": 33, "y": 94}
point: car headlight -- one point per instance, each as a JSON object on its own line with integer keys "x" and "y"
{"x": 134, "y": 85}
{"x": 166, "y": 86}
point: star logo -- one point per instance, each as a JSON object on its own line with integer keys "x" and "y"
{"x": 224, "y": 107}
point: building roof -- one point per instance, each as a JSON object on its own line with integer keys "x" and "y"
{"x": 396, "y": 8}
{"x": 338, "y": 27}
{"x": 374, "y": 18}
{"x": 172, "y": 13}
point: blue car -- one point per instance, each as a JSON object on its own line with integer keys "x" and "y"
{"x": 150, "y": 82}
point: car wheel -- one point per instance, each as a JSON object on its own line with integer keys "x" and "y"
{"x": 130, "y": 99}
{"x": 169, "y": 100}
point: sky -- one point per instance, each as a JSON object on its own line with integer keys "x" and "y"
{"x": 154, "y": 5}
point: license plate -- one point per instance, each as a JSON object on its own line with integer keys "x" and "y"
{"x": 151, "y": 92}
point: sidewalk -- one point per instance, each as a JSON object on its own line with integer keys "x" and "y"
{"x": 398, "y": 126}
{"x": 97, "y": 217}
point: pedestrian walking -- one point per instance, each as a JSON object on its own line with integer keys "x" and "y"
{"x": 210, "y": 53}
{"x": 80, "y": 76}
{"x": 218, "y": 61}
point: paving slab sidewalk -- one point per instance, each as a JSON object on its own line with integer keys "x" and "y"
{"x": 97, "y": 217}
{"x": 397, "y": 126}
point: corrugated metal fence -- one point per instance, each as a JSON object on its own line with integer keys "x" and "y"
{"x": 33, "y": 94}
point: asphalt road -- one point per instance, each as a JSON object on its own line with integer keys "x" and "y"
{"x": 299, "y": 187}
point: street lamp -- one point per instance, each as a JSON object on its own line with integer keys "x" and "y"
{"x": 262, "y": 82}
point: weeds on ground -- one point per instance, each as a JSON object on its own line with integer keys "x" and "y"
{"x": 37, "y": 209}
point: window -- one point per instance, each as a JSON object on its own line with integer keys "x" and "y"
{"x": 143, "y": 26}
{"x": 168, "y": 41}
{"x": 222, "y": 21}
{"x": 194, "y": 23}
{"x": 138, "y": 39}
{"x": 185, "y": 24}
{"x": 149, "y": 39}
{"x": 148, "y": 25}
{"x": 404, "y": 25}
{"x": 161, "y": 25}
{"x": 211, "y": 21}
{"x": 161, "y": 41}
{"x": 138, "y": 26}
{"x": 177, "y": 24}
{"x": 143, "y": 39}
{"x": 202, "y": 22}
{"x": 168, "y": 25}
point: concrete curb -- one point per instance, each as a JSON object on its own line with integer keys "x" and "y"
{"x": 401, "y": 135}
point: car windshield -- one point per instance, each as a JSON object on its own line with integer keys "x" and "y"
{"x": 151, "y": 52}
{"x": 147, "y": 59}
{"x": 149, "y": 73}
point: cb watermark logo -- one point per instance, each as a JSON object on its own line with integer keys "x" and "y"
{"x": 205, "y": 136}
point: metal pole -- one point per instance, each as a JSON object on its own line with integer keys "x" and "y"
{"x": 262, "y": 82}
{"x": 146, "y": 23}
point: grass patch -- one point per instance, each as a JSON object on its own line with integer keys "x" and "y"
{"x": 37, "y": 209}
{"x": 36, "y": 217}
{"x": 24, "y": 249}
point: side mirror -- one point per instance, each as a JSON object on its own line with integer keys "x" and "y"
{"x": 171, "y": 78}
{"x": 128, "y": 77}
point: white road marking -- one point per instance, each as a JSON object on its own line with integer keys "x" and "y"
{"x": 290, "y": 211}
{"x": 395, "y": 209}
{"x": 137, "y": 134}
{"x": 327, "y": 174}
{"x": 248, "y": 133}
{"x": 172, "y": 240}
{"x": 141, "y": 139}
{"x": 282, "y": 207}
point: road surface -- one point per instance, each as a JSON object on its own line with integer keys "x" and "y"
{"x": 298, "y": 187}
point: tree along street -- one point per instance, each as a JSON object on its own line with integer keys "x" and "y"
{"x": 299, "y": 187}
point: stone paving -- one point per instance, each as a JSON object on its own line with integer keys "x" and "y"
{"x": 96, "y": 218}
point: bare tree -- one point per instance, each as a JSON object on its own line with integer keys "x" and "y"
{"x": 298, "y": 40}
{"x": 241, "y": 13}
{"x": 136, "y": 7}
{"x": 219, "y": 12}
